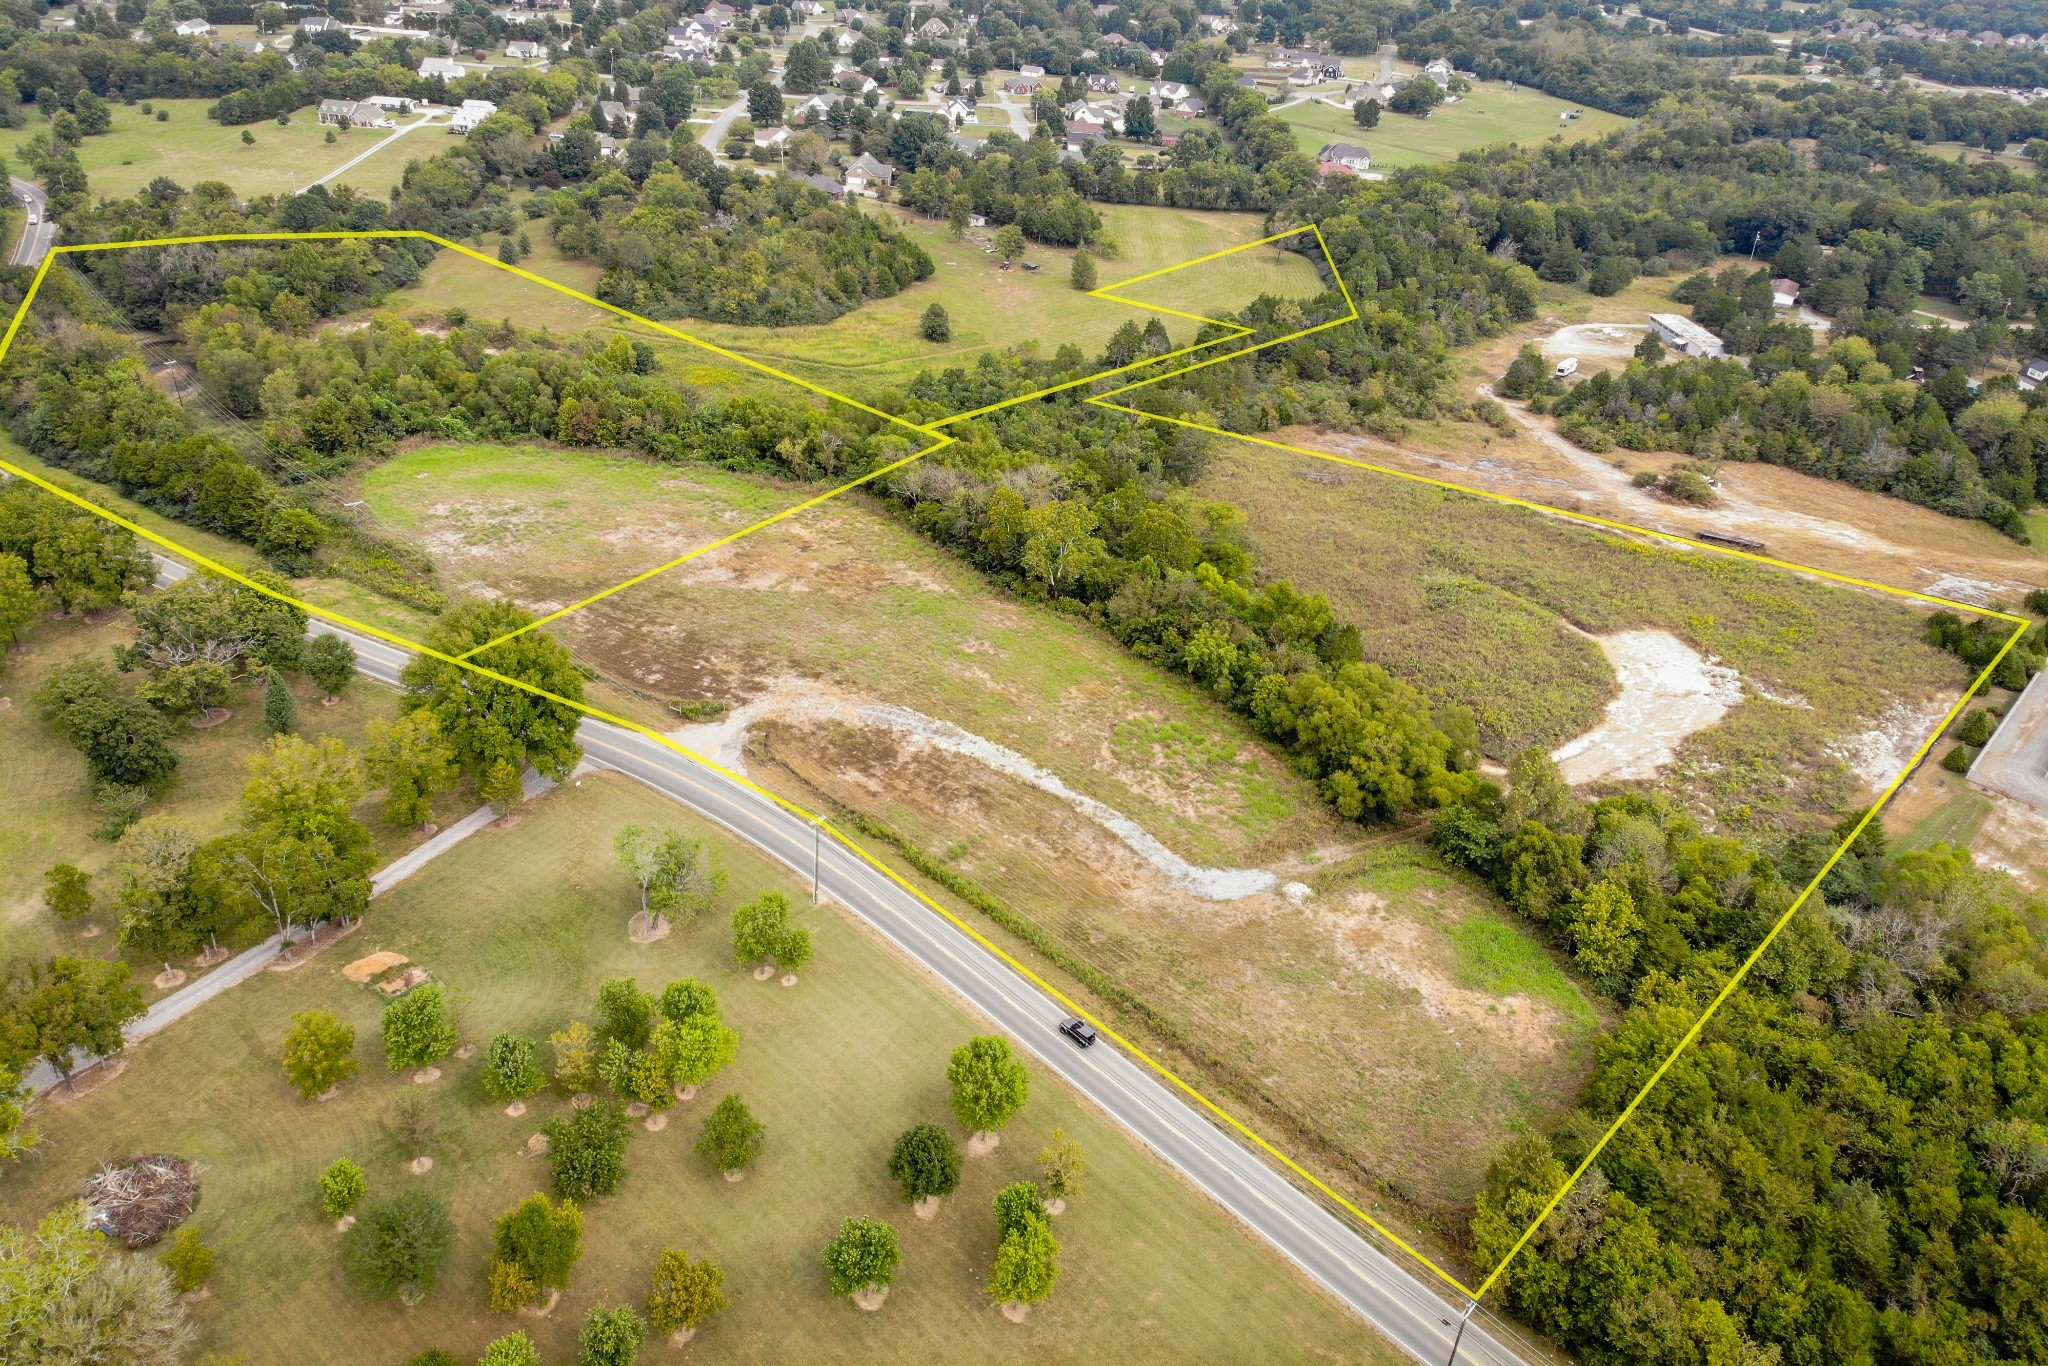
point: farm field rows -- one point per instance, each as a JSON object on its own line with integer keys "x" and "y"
{"x": 522, "y": 922}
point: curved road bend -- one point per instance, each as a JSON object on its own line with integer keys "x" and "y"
{"x": 1385, "y": 1292}
{"x": 36, "y": 237}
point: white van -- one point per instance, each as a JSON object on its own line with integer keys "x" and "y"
{"x": 1568, "y": 366}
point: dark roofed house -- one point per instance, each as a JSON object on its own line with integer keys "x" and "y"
{"x": 2034, "y": 374}
{"x": 1346, "y": 154}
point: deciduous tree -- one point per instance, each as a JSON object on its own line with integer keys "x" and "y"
{"x": 925, "y": 1162}
{"x": 543, "y": 1238}
{"x": 412, "y": 761}
{"x": 1027, "y": 1264}
{"x": 1061, "y": 1166}
{"x": 864, "y": 1256}
{"x": 399, "y": 1247}
{"x": 485, "y": 720}
{"x": 587, "y": 1150}
{"x": 417, "y": 1028}
{"x": 514, "y": 1349}
{"x": 319, "y": 1052}
{"x": 990, "y": 1084}
{"x": 610, "y": 1337}
{"x": 188, "y": 1259}
{"x": 732, "y": 1137}
{"x": 511, "y": 1068}
{"x": 342, "y": 1185}
{"x": 330, "y": 662}
{"x": 52, "y": 1008}
{"x": 685, "y": 1293}
{"x": 67, "y": 892}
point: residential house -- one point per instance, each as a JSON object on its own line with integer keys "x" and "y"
{"x": 319, "y": 23}
{"x": 933, "y": 28}
{"x": 814, "y": 109}
{"x": 867, "y": 175}
{"x": 617, "y": 117}
{"x": 1348, "y": 154}
{"x": 1217, "y": 25}
{"x": 1326, "y": 169}
{"x": 440, "y": 69}
{"x": 1191, "y": 107}
{"x": 807, "y": 8}
{"x": 469, "y": 115}
{"x": 1102, "y": 83}
{"x": 194, "y": 28}
{"x": 1988, "y": 38}
{"x": 1020, "y": 85}
{"x": 1030, "y": 72}
{"x": 845, "y": 41}
{"x": 2033, "y": 374}
{"x": 1784, "y": 293}
{"x": 1687, "y": 337}
{"x": 1114, "y": 40}
{"x": 390, "y": 104}
{"x": 252, "y": 46}
{"x": 957, "y": 112}
{"x": 855, "y": 81}
{"x": 1104, "y": 11}
{"x": 524, "y": 50}
{"x": 719, "y": 13}
{"x": 1080, "y": 134}
{"x": 771, "y": 138}
{"x": 1166, "y": 93}
{"x": 820, "y": 182}
{"x": 1438, "y": 70}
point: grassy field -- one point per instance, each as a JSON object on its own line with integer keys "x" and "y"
{"x": 1474, "y": 601}
{"x": 46, "y": 811}
{"x": 877, "y": 346}
{"x": 189, "y": 147}
{"x": 1490, "y": 112}
{"x": 522, "y": 922}
{"x": 840, "y": 607}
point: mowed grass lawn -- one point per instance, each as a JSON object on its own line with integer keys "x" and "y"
{"x": 1488, "y": 113}
{"x": 522, "y": 922}
{"x": 190, "y": 147}
{"x": 1476, "y": 603}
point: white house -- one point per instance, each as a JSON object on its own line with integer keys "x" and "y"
{"x": 1030, "y": 72}
{"x": 524, "y": 50}
{"x": 2033, "y": 375}
{"x": 319, "y": 23}
{"x": 814, "y": 109}
{"x": 1784, "y": 293}
{"x": 933, "y": 28}
{"x": 470, "y": 115}
{"x": 771, "y": 137}
{"x": 957, "y": 112}
{"x": 1167, "y": 93}
{"x": 1438, "y": 70}
{"x": 1687, "y": 337}
{"x": 194, "y": 28}
{"x": 440, "y": 69}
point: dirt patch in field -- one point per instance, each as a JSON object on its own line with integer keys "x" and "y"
{"x": 1668, "y": 691}
{"x": 1348, "y": 1028}
{"x": 363, "y": 969}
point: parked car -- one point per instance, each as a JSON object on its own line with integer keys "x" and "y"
{"x": 1079, "y": 1030}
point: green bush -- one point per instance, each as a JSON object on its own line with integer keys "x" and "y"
{"x": 1977, "y": 727}
{"x": 1959, "y": 759}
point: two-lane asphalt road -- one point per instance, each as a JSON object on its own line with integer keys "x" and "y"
{"x": 39, "y": 232}
{"x": 1389, "y": 1294}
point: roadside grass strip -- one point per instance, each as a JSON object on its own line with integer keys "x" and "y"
{"x": 1473, "y": 1294}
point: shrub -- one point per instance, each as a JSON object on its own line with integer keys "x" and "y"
{"x": 514, "y": 1349}
{"x": 280, "y": 711}
{"x": 188, "y": 1259}
{"x": 1959, "y": 758}
{"x": 399, "y": 1247}
{"x": 1017, "y": 1204}
{"x": 542, "y": 1237}
{"x": 511, "y": 1287}
{"x": 341, "y": 1186}
{"x": 587, "y": 1150}
{"x": 925, "y": 1162}
{"x": 863, "y": 1256}
{"x": 1977, "y": 727}
{"x": 732, "y": 1137}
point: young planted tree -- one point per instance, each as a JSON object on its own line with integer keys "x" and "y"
{"x": 762, "y": 934}
{"x": 418, "y": 1030}
{"x": 511, "y": 1068}
{"x": 330, "y": 662}
{"x": 990, "y": 1085}
{"x": 693, "y": 1052}
{"x": 541, "y": 1239}
{"x": 925, "y": 1163}
{"x": 610, "y": 1337}
{"x": 412, "y": 761}
{"x": 587, "y": 1150}
{"x": 67, "y": 892}
{"x": 1017, "y": 1205}
{"x": 1009, "y": 241}
{"x": 732, "y": 1137}
{"x": 863, "y": 1258}
{"x": 686, "y": 997}
{"x": 399, "y": 1247}
{"x": 280, "y": 711}
{"x": 575, "y": 1050}
{"x": 1083, "y": 275}
{"x": 626, "y": 1012}
{"x": 188, "y": 1259}
{"x": 412, "y": 1123}
{"x": 341, "y": 1186}
{"x": 1060, "y": 1169}
{"x": 319, "y": 1052}
{"x": 684, "y": 1294}
{"x": 514, "y": 1349}
{"x": 1027, "y": 1264}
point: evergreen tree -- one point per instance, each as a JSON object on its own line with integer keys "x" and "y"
{"x": 280, "y": 712}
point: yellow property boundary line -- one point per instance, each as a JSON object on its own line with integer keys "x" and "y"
{"x": 938, "y": 439}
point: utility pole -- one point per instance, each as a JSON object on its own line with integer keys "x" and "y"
{"x": 1452, "y": 1359}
